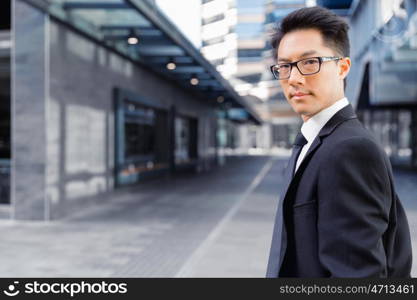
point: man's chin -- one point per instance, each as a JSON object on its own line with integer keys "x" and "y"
{"x": 304, "y": 112}
{"x": 301, "y": 110}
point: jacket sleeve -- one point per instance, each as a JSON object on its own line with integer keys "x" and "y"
{"x": 353, "y": 209}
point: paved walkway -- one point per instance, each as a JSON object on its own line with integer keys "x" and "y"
{"x": 216, "y": 224}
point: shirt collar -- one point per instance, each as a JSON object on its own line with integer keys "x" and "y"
{"x": 311, "y": 128}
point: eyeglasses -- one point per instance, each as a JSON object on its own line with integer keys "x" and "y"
{"x": 307, "y": 66}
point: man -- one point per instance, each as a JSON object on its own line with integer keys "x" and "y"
{"x": 338, "y": 214}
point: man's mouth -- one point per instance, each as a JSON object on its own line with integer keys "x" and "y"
{"x": 299, "y": 95}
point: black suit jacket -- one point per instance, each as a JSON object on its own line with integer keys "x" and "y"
{"x": 341, "y": 214}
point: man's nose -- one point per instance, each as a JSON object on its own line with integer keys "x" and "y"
{"x": 295, "y": 76}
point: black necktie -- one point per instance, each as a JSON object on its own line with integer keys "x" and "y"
{"x": 274, "y": 255}
{"x": 299, "y": 143}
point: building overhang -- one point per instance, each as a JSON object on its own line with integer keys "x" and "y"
{"x": 140, "y": 32}
{"x": 340, "y": 7}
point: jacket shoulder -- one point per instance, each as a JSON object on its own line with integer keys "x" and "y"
{"x": 352, "y": 139}
{"x": 352, "y": 132}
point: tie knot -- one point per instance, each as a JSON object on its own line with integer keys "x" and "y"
{"x": 300, "y": 140}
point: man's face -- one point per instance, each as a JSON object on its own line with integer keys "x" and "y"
{"x": 309, "y": 94}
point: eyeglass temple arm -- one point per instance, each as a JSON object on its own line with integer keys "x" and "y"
{"x": 330, "y": 58}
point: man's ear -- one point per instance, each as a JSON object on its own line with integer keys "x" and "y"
{"x": 344, "y": 67}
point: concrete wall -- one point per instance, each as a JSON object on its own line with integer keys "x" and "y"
{"x": 29, "y": 110}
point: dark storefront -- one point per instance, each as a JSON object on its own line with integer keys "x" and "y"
{"x": 150, "y": 140}
{"x": 142, "y": 139}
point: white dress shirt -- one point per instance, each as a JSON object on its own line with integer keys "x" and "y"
{"x": 311, "y": 128}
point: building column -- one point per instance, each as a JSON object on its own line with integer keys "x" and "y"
{"x": 29, "y": 112}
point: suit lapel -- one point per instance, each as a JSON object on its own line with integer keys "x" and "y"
{"x": 341, "y": 116}
{"x": 346, "y": 113}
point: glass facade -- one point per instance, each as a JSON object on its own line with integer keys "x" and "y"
{"x": 385, "y": 51}
{"x": 250, "y": 34}
{"x": 250, "y": 6}
{"x": 252, "y": 30}
{"x": 279, "y": 9}
{"x": 396, "y": 131}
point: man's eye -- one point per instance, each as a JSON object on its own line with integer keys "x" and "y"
{"x": 284, "y": 67}
{"x": 310, "y": 62}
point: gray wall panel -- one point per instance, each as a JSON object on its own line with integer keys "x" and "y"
{"x": 29, "y": 113}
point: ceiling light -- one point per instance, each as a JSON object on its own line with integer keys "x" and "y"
{"x": 132, "y": 40}
{"x": 171, "y": 66}
{"x": 194, "y": 81}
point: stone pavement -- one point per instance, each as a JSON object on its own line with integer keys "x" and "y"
{"x": 214, "y": 224}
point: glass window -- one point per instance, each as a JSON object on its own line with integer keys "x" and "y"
{"x": 250, "y": 6}
{"x": 250, "y": 53}
{"x": 182, "y": 140}
{"x": 139, "y": 140}
{"x": 249, "y": 30}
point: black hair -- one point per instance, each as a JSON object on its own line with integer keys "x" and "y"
{"x": 334, "y": 29}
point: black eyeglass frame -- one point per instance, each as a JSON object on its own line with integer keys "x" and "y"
{"x": 321, "y": 59}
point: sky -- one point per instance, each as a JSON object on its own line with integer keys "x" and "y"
{"x": 186, "y": 15}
